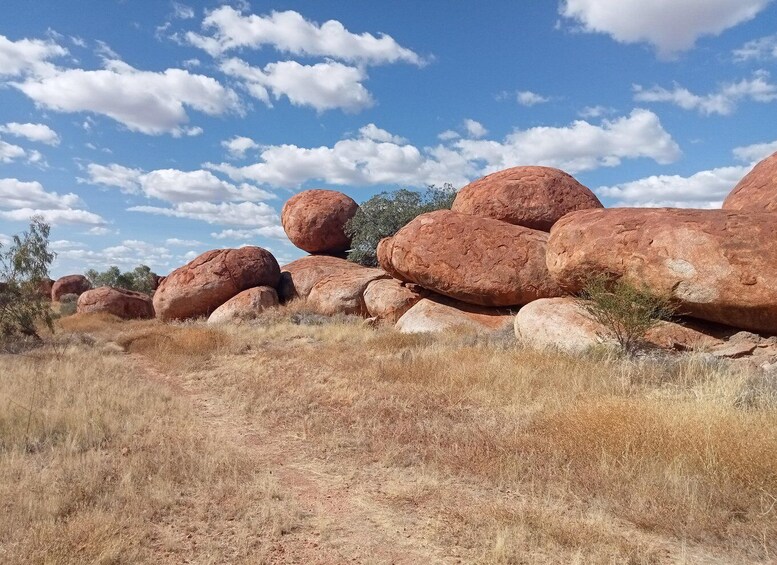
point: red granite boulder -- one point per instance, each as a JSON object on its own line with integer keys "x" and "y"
{"x": 246, "y": 305}
{"x": 757, "y": 191}
{"x": 314, "y": 220}
{"x": 125, "y": 304}
{"x": 69, "y": 284}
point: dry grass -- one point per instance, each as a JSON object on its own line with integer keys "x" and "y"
{"x": 492, "y": 453}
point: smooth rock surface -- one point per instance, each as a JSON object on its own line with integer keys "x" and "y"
{"x": 314, "y": 220}
{"x": 757, "y": 191}
{"x": 343, "y": 293}
{"x": 69, "y": 284}
{"x": 245, "y": 305}
{"x": 533, "y": 197}
{"x": 125, "y": 304}
{"x": 438, "y": 314}
{"x": 717, "y": 265}
{"x": 299, "y": 277}
{"x": 207, "y": 282}
{"x": 388, "y": 299}
{"x": 476, "y": 260}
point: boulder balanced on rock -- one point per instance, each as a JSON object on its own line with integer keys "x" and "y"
{"x": 125, "y": 304}
{"x": 476, "y": 260}
{"x": 69, "y": 284}
{"x": 717, "y": 265}
{"x": 204, "y": 284}
{"x": 245, "y": 305}
{"x": 533, "y": 197}
{"x": 757, "y": 191}
{"x": 314, "y": 221}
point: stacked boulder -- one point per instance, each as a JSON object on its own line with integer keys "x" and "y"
{"x": 69, "y": 284}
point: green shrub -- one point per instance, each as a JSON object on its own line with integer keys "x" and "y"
{"x": 68, "y": 304}
{"x": 141, "y": 279}
{"x": 386, "y": 213}
{"x": 24, "y": 265}
{"x": 626, "y": 311}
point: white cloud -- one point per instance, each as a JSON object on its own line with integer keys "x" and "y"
{"x": 373, "y": 132}
{"x": 764, "y": 48}
{"x": 474, "y": 129}
{"x": 27, "y": 56}
{"x": 99, "y": 230}
{"x": 238, "y": 145}
{"x": 19, "y": 194}
{"x": 290, "y": 32}
{"x": 173, "y": 185}
{"x": 10, "y": 152}
{"x": 595, "y": 111}
{"x": 529, "y": 98}
{"x": 34, "y": 132}
{"x": 448, "y": 135}
{"x": 671, "y": 26}
{"x": 53, "y": 217}
{"x": 362, "y": 161}
{"x": 182, "y": 11}
{"x": 243, "y": 214}
{"x": 127, "y": 255}
{"x": 323, "y": 86}
{"x": 149, "y": 102}
{"x": 275, "y": 232}
{"x": 705, "y": 189}
{"x": 176, "y": 242}
{"x": 722, "y": 102}
{"x": 755, "y": 152}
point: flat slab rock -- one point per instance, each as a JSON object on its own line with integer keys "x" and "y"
{"x": 438, "y": 314}
{"x": 718, "y": 265}
{"x": 476, "y": 260}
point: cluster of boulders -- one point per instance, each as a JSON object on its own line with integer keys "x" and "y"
{"x": 522, "y": 240}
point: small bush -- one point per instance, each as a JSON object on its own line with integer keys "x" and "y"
{"x": 68, "y": 304}
{"x": 141, "y": 279}
{"x": 626, "y": 311}
{"x": 386, "y": 213}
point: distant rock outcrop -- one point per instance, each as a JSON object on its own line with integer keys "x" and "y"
{"x": 207, "y": 282}
{"x": 314, "y": 221}
{"x": 245, "y": 305}
{"x": 69, "y": 284}
{"x": 533, "y": 197}
{"x": 757, "y": 191}
{"x": 476, "y": 260}
{"x": 718, "y": 265}
{"x": 120, "y": 302}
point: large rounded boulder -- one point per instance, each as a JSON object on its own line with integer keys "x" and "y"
{"x": 476, "y": 260}
{"x": 299, "y": 277}
{"x": 207, "y": 282}
{"x": 717, "y": 265}
{"x": 533, "y": 197}
{"x": 69, "y": 284}
{"x": 125, "y": 304}
{"x": 757, "y": 191}
{"x": 246, "y": 305}
{"x": 314, "y": 220}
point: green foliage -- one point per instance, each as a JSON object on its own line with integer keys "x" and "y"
{"x": 140, "y": 279}
{"x": 24, "y": 265}
{"x": 626, "y": 311}
{"x": 68, "y": 304}
{"x": 386, "y": 213}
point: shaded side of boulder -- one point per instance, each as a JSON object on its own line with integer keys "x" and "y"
{"x": 299, "y": 277}
{"x": 476, "y": 260}
{"x": 388, "y": 299}
{"x": 716, "y": 265}
{"x": 533, "y": 197}
{"x": 202, "y": 285}
{"x": 69, "y": 284}
{"x": 314, "y": 220}
{"x": 245, "y": 305}
{"x": 343, "y": 293}
{"x": 757, "y": 191}
{"x": 438, "y": 314}
{"x": 120, "y": 302}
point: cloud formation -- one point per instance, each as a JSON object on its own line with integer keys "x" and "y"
{"x": 40, "y": 133}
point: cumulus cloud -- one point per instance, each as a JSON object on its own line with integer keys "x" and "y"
{"x": 27, "y": 56}
{"x": 595, "y": 111}
{"x": 176, "y": 242}
{"x": 53, "y": 217}
{"x": 290, "y": 32}
{"x": 705, "y": 189}
{"x": 274, "y": 232}
{"x": 671, "y": 26}
{"x": 243, "y": 214}
{"x": 323, "y": 86}
{"x": 34, "y": 132}
{"x": 173, "y": 185}
{"x": 149, "y": 102}
{"x": 529, "y": 98}
{"x": 755, "y": 152}
{"x": 238, "y": 145}
{"x": 722, "y": 102}
{"x": 474, "y": 128}
{"x": 126, "y": 255}
{"x": 763, "y": 49}
{"x": 20, "y": 200}
{"x": 447, "y": 135}
{"x": 10, "y": 152}
{"x": 363, "y": 161}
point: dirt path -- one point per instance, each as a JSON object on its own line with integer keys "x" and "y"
{"x": 348, "y": 519}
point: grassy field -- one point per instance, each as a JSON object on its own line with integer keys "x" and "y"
{"x": 291, "y": 440}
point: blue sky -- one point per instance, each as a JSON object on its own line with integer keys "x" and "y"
{"x": 150, "y": 131}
